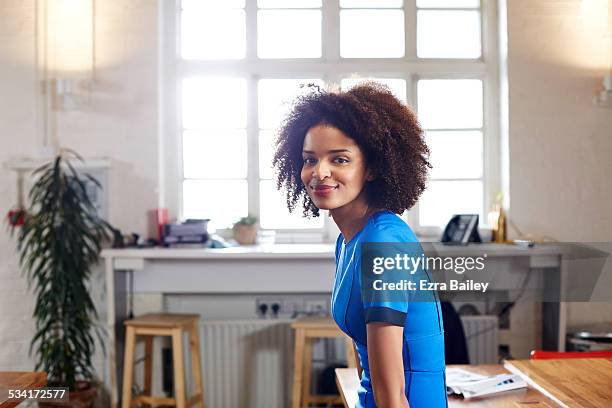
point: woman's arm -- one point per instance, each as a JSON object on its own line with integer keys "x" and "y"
{"x": 386, "y": 367}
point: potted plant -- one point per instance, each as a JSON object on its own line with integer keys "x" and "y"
{"x": 59, "y": 243}
{"x": 245, "y": 230}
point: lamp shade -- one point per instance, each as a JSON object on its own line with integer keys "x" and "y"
{"x": 69, "y": 35}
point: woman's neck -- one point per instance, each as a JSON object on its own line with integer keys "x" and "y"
{"x": 352, "y": 217}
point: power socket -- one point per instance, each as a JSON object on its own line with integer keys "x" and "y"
{"x": 289, "y": 306}
{"x": 269, "y": 307}
{"x": 316, "y": 306}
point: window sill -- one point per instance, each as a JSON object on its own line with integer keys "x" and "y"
{"x": 272, "y": 251}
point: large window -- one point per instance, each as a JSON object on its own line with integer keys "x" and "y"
{"x": 237, "y": 65}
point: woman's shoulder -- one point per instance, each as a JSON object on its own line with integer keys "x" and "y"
{"x": 386, "y": 226}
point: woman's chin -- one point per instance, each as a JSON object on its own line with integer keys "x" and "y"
{"x": 324, "y": 205}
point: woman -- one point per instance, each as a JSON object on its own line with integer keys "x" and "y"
{"x": 360, "y": 154}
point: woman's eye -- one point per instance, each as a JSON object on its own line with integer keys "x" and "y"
{"x": 309, "y": 160}
{"x": 341, "y": 160}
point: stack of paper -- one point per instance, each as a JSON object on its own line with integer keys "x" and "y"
{"x": 470, "y": 385}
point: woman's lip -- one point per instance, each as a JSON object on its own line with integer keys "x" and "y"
{"x": 324, "y": 190}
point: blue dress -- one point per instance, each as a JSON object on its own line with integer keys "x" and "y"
{"x": 423, "y": 348}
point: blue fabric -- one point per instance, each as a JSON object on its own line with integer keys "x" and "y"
{"x": 423, "y": 348}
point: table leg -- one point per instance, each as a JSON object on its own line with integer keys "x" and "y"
{"x": 116, "y": 304}
{"x": 179, "y": 368}
{"x": 307, "y": 371}
{"x": 298, "y": 364}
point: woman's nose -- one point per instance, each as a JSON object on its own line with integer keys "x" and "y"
{"x": 321, "y": 170}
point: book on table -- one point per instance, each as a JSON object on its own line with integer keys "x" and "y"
{"x": 469, "y": 385}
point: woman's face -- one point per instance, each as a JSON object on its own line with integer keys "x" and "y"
{"x": 334, "y": 169}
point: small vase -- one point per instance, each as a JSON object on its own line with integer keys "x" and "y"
{"x": 245, "y": 234}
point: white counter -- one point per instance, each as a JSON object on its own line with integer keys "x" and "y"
{"x": 319, "y": 251}
{"x": 277, "y": 251}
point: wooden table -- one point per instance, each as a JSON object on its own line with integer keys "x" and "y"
{"x": 347, "y": 381}
{"x": 572, "y": 383}
{"x": 521, "y": 398}
{"x": 348, "y": 384}
{"x": 19, "y": 380}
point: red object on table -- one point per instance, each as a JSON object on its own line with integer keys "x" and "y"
{"x": 158, "y": 217}
{"x": 550, "y": 355}
{"x": 15, "y": 217}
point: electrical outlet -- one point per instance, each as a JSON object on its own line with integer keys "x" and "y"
{"x": 261, "y": 307}
{"x": 264, "y": 307}
{"x": 290, "y": 306}
{"x": 316, "y": 305}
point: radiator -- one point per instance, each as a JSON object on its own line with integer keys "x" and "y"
{"x": 481, "y": 333}
{"x": 247, "y": 363}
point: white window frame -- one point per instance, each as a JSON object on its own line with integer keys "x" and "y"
{"x": 331, "y": 68}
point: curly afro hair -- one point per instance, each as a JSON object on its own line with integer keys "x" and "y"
{"x": 386, "y": 130}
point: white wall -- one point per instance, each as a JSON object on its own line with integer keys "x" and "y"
{"x": 120, "y": 122}
{"x": 17, "y": 132}
{"x": 559, "y": 141}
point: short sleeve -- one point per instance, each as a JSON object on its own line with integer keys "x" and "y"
{"x": 384, "y": 282}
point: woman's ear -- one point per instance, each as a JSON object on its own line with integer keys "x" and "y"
{"x": 370, "y": 176}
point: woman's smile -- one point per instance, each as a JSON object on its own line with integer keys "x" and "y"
{"x": 324, "y": 190}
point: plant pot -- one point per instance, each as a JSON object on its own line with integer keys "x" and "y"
{"x": 245, "y": 234}
{"x": 82, "y": 397}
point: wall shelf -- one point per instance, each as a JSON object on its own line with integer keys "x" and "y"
{"x": 30, "y": 163}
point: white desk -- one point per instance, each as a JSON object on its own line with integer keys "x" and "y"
{"x": 280, "y": 269}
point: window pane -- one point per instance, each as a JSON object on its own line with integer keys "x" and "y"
{"x": 450, "y": 103}
{"x": 223, "y": 201}
{"x": 442, "y": 199}
{"x": 266, "y": 151}
{"x": 213, "y": 34}
{"x": 448, "y": 34}
{"x": 455, "y": 154}
{"x": 214, "y": 103}
{"x": 289, "y": 34}
{"x": 214, "y": 154}
{"x": 371, "y": 33}
{"x": 371, "y": 3}
{"x": 276, "y": 97}
{"x": 448, "y": 3}
{"x": 208, "y": 4}
{"x": 285, "y": 4}
{"x": 397, "y": 86}
{"x": 274, "y": 212}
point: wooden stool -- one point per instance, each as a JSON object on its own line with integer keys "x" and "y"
{"x": 165, "y": 324}
{"x": 307, "y": 329}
